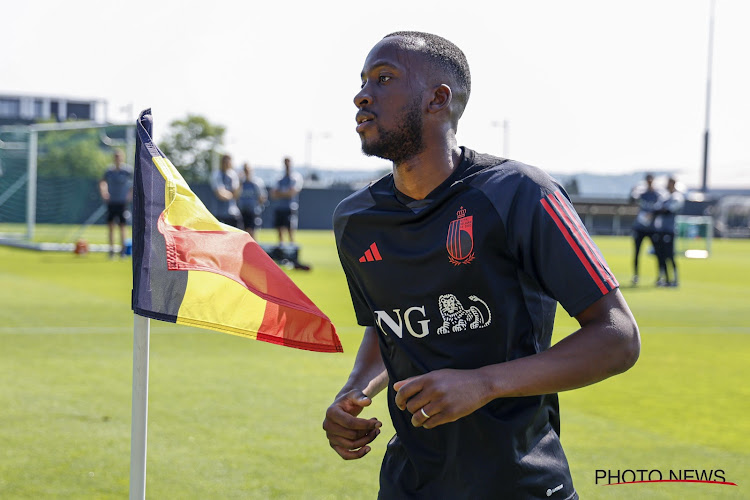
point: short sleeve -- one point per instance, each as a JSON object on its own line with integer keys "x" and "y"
{"x": 675, "y": 203}
{"x": 554, "y": 248}
{"x": 234, "y": 179}
{"x": 361, "y": 310}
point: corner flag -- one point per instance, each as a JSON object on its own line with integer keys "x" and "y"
{"x": 189, "y": 268}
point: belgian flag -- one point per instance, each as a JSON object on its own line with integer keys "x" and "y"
{"x": 189, "y": 268}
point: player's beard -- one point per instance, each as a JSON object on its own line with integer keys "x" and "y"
{"x": 401, "y": 144}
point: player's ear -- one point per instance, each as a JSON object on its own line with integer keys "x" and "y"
{"x": 441, "y": 99}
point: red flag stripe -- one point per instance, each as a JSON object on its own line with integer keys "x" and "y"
{"x": 588, "y": 246}
{"x": 564, "y": 230}
{"x": 309, "y": 332}
{"x": 192, "y": 250}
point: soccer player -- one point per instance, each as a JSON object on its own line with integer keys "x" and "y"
{"x": 225, "y": 183}
{"x": 455, "y": 263}
{"x": 116, "y": 189}
{"x": 664, "y": 224}
{"x": 252, "y": 200}
{"x": 643, "y": 226}
{"x": 286, "y": 196}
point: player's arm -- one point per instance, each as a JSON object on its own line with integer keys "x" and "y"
{"x": 103, "y": 190}
{"x": 607, "y": 343}
{"x": 223, "y": 194}
{"x": 262, "y": 193}
{"x": 347, "y": 434}
{"x": 236, "y": 187}
{"x": 285, "y": 194}
{"x": 220, "y": 191}
{"x": 296, "y": 186}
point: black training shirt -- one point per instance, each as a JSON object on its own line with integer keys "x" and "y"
{"x": 470, "y": 277}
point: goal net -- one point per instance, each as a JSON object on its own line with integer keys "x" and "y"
{"x": 694, "y": 234}
{"x": 49, "y": 176}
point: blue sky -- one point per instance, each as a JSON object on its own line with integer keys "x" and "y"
{"x": 585, "y": 85}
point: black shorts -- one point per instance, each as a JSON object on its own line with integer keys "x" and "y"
{"x": 667, "y": 244}
{"x": 251, "y": 218}
{"x": 285, "y": 217}
{"x": 116, "y": 213}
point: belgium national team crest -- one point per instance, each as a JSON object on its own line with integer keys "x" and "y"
{"x": 460, "y": 242}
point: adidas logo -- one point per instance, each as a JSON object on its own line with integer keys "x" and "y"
{"x": 371, "y": 254}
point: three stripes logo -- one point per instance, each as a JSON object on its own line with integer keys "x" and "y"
{"x": 371, "y": 254}
{"x": 565, "y": 218}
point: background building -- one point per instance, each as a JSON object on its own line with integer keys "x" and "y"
{"x": 16, "y": 109}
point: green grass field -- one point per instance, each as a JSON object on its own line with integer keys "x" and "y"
{"x": 234, "y": 418}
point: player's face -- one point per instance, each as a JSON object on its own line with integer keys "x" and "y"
{"x": 390, "y": 116}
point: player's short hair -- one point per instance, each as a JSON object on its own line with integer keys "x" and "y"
{"x": 225, "y": 160}
{"x": 446, "y": 56}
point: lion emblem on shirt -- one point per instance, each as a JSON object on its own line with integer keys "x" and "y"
{"x": 457, "y": 319}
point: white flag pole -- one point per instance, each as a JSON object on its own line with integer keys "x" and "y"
{"x": 141, "y": 334}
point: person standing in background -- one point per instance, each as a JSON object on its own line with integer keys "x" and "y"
{"x": 225, "y": 184}
{"x": 647, "y": 198}
{"x": 116, "y": 189}
{"x": 252, "y": 199}
{"x": 665, "y": 226}
{"x": 286, "y": 197}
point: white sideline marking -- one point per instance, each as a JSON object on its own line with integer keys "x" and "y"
{"x": 72, "y": 330}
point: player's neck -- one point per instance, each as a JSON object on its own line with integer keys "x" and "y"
{"x": 420, "y": 175}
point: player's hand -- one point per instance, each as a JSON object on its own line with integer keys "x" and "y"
{"x": 347, "y": 434}
{"x": 444, "y": 395}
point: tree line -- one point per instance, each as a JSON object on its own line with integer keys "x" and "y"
{"x": 189, "y": 144}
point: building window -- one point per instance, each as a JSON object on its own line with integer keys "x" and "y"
{"x": 10, "y": 108}
{"x": 38, "y": 108}
{"x": 79, "y": 111}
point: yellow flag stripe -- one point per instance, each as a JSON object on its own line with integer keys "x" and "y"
{"x": 219, "y": 303}
{"x": 182, "y": 206}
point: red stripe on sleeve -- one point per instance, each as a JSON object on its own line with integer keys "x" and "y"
{"x": 564, "y": 230}
{"x": 583, "y": 237}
